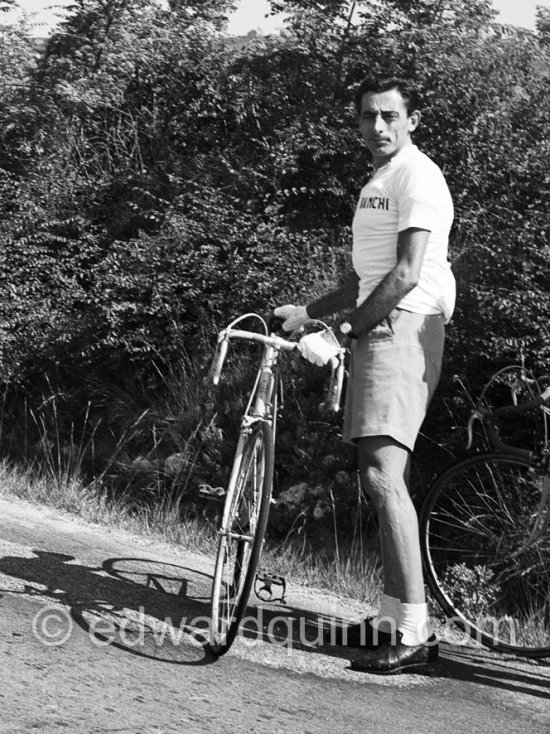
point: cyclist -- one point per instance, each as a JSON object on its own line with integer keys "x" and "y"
{"x": 401, "y": 293}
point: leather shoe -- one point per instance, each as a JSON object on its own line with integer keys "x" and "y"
{"x": 361, "y": 634}
{"x": 396, "y": 658}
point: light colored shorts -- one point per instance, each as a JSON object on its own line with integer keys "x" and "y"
{"x": 394, "y": 371}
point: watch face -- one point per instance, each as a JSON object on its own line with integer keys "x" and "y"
{"x": 345, "y": 327}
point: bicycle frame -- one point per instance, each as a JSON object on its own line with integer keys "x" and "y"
{"x": 262, "y": 405}
{"x": 263, "y": 397}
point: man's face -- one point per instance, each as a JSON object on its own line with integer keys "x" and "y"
{"x": 385, "y": 124}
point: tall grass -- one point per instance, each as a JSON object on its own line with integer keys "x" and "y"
{"x": 131, "y": 486}
{"x": 346, "y": 563}
{"x": 351, "y": 574}
{"x": 55, "y": 475}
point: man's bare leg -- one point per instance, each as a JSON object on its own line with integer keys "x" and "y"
{"x": 383, "y": 464}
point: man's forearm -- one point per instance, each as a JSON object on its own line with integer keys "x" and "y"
{"x": 340, "y": 299}
{"x": 411, "y": 245}
{"x": 384, "y": 298}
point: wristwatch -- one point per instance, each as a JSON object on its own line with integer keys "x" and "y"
{"x": 346, "y": 328}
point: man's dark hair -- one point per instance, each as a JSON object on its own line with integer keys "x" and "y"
{"x": 385, "y": 84}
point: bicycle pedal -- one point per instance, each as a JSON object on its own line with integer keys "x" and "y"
{"x": 212, "y": 493}
{"x": 264, "y": 583}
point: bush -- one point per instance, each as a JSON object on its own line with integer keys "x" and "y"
{"x": 156, "y": 180}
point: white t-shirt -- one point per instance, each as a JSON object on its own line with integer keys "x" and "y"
{"x": 409, "y": 191}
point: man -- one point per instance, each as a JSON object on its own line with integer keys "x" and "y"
{"x": 401, "y": 293}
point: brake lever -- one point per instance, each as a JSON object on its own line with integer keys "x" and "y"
{"x": 219, "y": 357}
{"x": 334, "y": 392}
{"x": 475, "y": 415}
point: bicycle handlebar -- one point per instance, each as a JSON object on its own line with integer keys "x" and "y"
{"x": 223, "y": 344}
{"x": 334, "y": 392}
{"x": 491, "y": 417}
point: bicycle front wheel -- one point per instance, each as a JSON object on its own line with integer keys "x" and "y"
{"x": 241, "y": 535}
{"x": 486, "y": 551}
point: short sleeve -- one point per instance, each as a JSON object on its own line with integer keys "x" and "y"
{"x": 417, "y": 192}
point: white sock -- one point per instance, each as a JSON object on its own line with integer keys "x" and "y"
{"x": 413, "y": 623}
{"x": 388, "y": 615}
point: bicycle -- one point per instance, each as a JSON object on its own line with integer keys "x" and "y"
{"x": 484, "y": 530}
{"x": 248, "y": 496}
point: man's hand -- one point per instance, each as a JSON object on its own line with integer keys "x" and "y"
{"x": 294, "y": 316}
{"x": 318, "y": 348}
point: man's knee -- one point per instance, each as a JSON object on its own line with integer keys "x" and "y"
{"x": 381, "y": 483}
{"x": 383, "y": 467}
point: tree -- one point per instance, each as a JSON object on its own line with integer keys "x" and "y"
{"x": 543, "y": 24}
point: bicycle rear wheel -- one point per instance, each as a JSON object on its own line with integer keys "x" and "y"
{"x": 485, "y": 564}
{"x": 241, "y": 535}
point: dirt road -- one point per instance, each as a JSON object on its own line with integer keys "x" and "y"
{"x": 102, "y": 631}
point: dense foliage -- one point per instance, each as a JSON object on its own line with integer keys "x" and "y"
{"x": 157, "y": 178}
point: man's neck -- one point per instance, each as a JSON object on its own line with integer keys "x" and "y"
{"x": 380, "y": 163}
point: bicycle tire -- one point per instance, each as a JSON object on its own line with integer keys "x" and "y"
{"x": 241, "y": 535}
{"x": 475, "y": 522}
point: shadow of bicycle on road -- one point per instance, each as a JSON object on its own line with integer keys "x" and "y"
{"x": 161, "y": 611}
{"x": 156, "y": 610}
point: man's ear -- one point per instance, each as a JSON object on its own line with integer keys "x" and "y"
{"x": 414, "y": 120}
